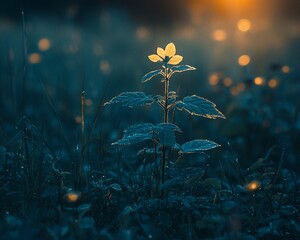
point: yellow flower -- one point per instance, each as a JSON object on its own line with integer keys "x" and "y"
{"x": 167, "y": 56}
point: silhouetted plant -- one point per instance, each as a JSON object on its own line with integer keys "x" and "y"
{"x": 163, "y": 134}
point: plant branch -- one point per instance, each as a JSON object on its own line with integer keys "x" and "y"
{"x": 166, "y": 110}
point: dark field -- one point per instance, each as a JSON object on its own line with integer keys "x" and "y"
{"x": 73, "y": 167}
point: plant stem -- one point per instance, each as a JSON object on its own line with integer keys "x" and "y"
{"x": 11, "y": 80}
{"x": 82, "y": 117}
{"x": 24, "y": 63}
{"x": 166, "y": 110}
{"x": 80, "y": 167}
{"x": 23, "y": 105}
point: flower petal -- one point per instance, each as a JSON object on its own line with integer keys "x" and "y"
{"x": 170, "y": 50}
{"x": 175, "y": 60}
{"x": 160, "y": 52}
{"x": 155, "y": 58}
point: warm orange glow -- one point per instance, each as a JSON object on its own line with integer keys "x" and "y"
{"x": 104, "y": 66}
{"x": 186, "y": 32}
{"x": 223, "y": 7}
{"x": 241, "y": 87}
{"x": 89, "y": 102}
{"x": 253, "y": 185}
{"x": 34, "y": 58}
{"x": 219, "y": 35}
{"x": 77, "y": 119}
{"x": 72, "y": 196}
{"x": 227, "y": 82}
{"x": 244, "y": 25}
{"x": 273, "y": 83}
{"x": 259, "y": 81}
{"x": 44, "y": 44}
{"x": 285, "y": 69}
{"x": 234, "y": 91}
{"x": 244, "y": 60}
{"x": 214, "y": 79}
{"x": 142, "y": 33}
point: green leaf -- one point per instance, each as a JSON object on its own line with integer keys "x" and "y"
{"x": 199, "y": 106}
{"x": 138, "y": 128}
{"x": 181, "y": 68}
{"x": 136, "y": 133}
{"x": 212, "y": 182}
{"x": 133, "y": 139}
{"x": 166, "y": 133}
{"x": 169, "y": 126}
{"x": 197, "y": 146}
{"x": 148, "y": 151}
{"x": 84, "y": 207}
{"x": 171, "y": 183}
{"x": 188, "y": 201}
{"x": 132, "y": 99}
{"x": 151, "y": 74}
{"x": 115, "y": 186}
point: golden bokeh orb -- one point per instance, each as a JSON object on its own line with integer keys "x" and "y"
{"x": 253, "y": 185}
{"x": 244, "y": 25}
{"x": 34, "y": 58}
{"x": 244, "y": 60}
{"x": 259, "y": 81}
{"x": 273, "y": 83}
{"x": 219, "y": 35}
{"x": 44, "y": 44}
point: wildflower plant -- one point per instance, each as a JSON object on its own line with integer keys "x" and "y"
{"x": 163, "y": 134}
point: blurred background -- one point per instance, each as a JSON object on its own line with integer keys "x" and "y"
{"x": 246, "y": 53}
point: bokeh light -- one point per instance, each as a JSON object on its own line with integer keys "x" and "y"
{"x": 259, "y": 81}
{"x": 44, "y": 44}
{"x": 244, "y": 25}
{"x": 72, "y": 197}
{"x": 77, "y": 119}
{"x": 142, "y": 33}
{"x": 34, "y": 58}
{"x": 214, "y": 79}
{"x": 219, "y": 35}
{"x": 285, "y": 69}
{"x": 89, "y": 102}
{"x": 273, "y": 83}
{"x": 227, "y": 82}
{"x": 254, "y": 185}
{"x": 244, "y": 60}
{"x": 234, "y": 91}
{"x": 104, "y": 67}
{"x": 241, "y": 87}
